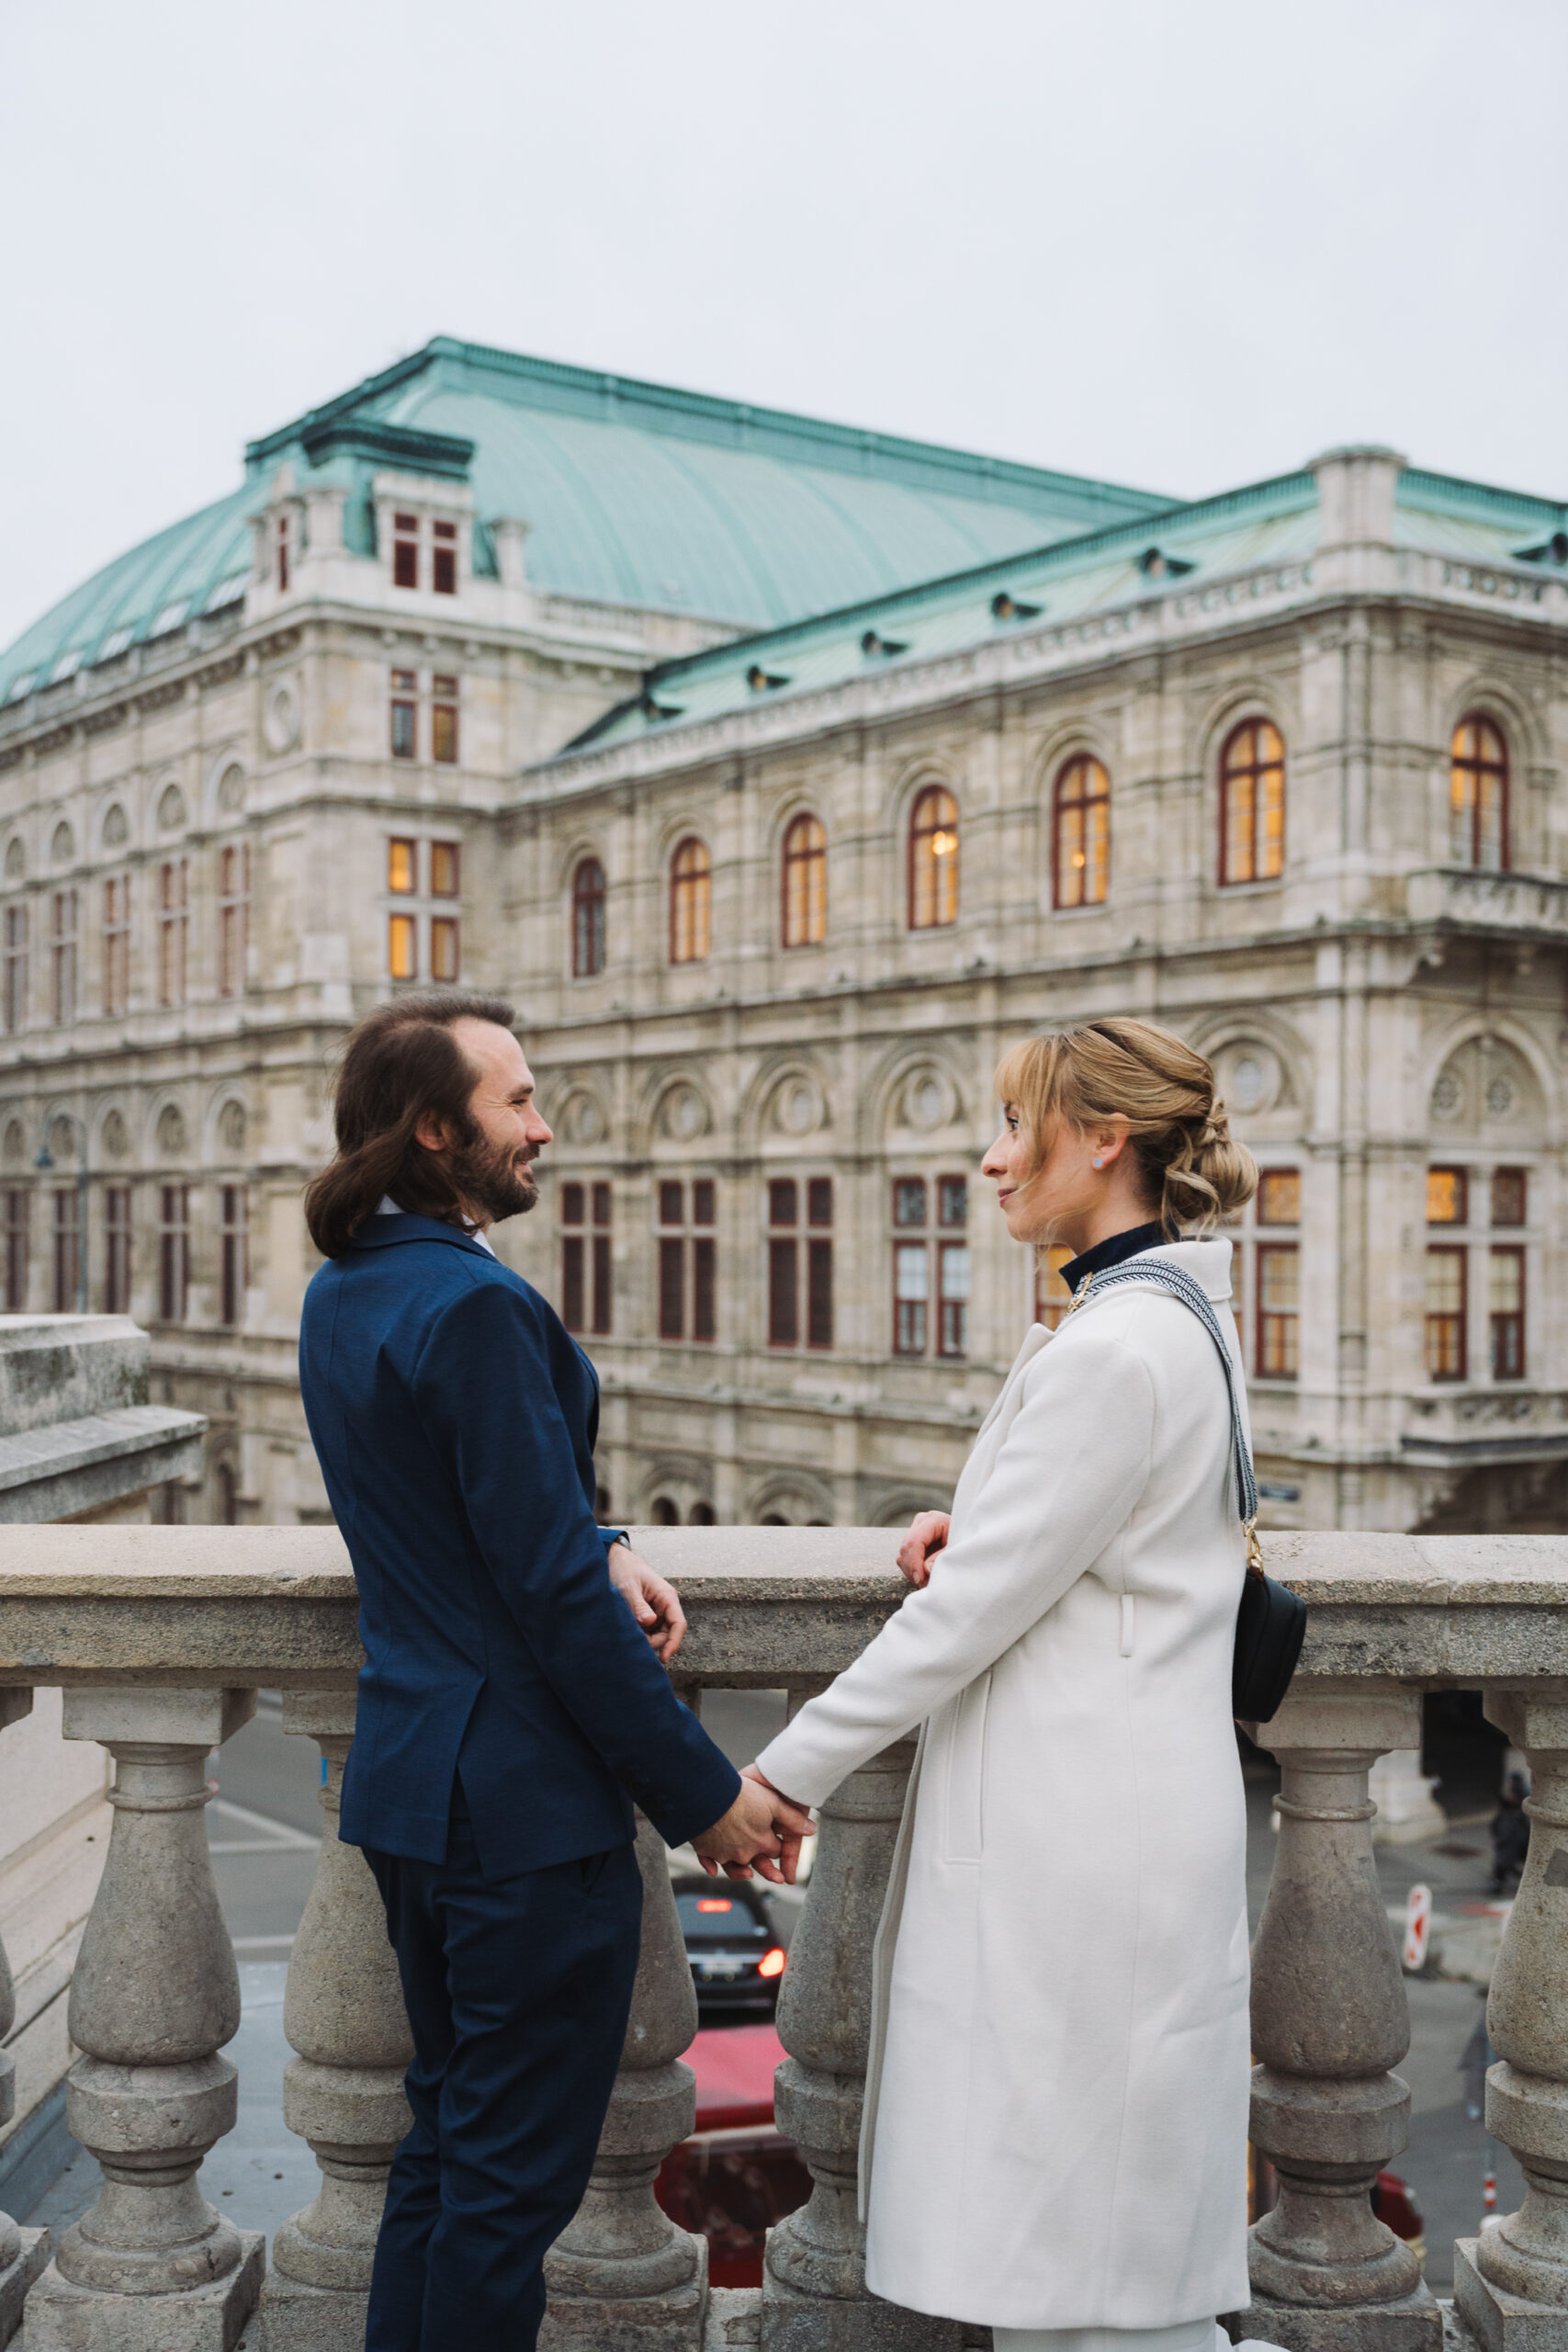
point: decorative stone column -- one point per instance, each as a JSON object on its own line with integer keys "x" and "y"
{"x": 1329, "y": 2020}
{"x": 343, "y": 2013}
{"x": 154, "y": 1996}
{"x": 622, "y": 2274}
{"x": 1512, "y": 2284}
{"x": 23, "y": 2253}
{"x": 815, "y": 2297}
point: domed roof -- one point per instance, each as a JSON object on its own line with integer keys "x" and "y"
{"x": 634, "y": 494}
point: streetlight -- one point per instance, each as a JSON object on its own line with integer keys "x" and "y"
{"x": 45, "y": 1161}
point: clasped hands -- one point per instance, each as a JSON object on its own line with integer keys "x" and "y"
{"x": 763, "y": 1830}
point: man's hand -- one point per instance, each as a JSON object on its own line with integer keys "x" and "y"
{"x": 652, "y": 1600}
{"x": 762, "y": 1831}
{"x": 927, "y": 1534}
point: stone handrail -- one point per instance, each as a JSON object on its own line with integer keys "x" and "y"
{"x": 160, "y": 1638}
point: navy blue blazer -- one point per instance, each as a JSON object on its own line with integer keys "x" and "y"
{"x": 455, "y": 1419}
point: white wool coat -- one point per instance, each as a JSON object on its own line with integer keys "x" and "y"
{"x": 1056, "y": 2104}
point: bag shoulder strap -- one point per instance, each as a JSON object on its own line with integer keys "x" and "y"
{"x": 1161, "y": 1275}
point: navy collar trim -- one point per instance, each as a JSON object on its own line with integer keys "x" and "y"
{"x": 381, "y": 1232}
{"x": 1115, "y": 1250}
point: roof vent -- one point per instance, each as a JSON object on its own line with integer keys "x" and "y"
{"x": 651, "y": 707}
{"x": 1008, "y": 608}
{"x": 114, "y": 644}
{"x": 762, "y": 681}
{"x": 170, "y": 617}
{"x": 1551, "y": 550}
{"x": 66, "y": 667}
{"x": 881, "y": 648}
{"x": 22, "y": 686}
{"x": 1154, "y": 564}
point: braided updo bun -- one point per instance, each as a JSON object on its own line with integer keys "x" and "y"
{"x": 1194, "y": 1171}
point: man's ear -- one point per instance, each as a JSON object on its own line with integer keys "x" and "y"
{"x": 431, "y": 1132}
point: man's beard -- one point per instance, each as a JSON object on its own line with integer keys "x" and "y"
{"x": 487, "y": 1179}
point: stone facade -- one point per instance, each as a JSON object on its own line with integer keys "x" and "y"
{"x": 239, "y": 792}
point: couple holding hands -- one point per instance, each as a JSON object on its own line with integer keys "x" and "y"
{"x": 1055, "y": 2113}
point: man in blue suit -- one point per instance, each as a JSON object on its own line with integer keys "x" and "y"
{"x": 511, "y": 1713}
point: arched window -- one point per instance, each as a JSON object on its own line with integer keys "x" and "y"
{"x": 587, "y": 919}
{"x": 805, "y": 882}
{"x": 933, "y": 859}
{"x": 1478, "y": 794}
{"x": 1252, "y": 804}
{"x": 691, "y": 901}
{"x": 1082, "y": 847}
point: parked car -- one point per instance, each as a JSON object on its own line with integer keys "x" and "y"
{"x": 737, "y": 2175}
{"x": 736, "y": 1959}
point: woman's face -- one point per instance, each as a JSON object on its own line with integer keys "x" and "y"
{"x": 1067, "y": 1192}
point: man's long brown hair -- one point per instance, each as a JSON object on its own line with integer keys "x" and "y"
{"x": 401, "y": 1064}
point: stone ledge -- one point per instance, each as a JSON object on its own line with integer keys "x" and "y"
{"x": 73, "y": 1466}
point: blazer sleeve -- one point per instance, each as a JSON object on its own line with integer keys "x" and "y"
{"x": 1070, "y": 1470}
{"x": 488, "y": 1406}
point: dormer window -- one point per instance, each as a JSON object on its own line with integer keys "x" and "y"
{"x": 405, "y": 551}
{"x": 881, "y": 648}
{"x": 1551, "y": 550}
{"x": 1154, "y": 564}
{"x": 444, "y": 559}
{"x": 1009, "y": 608}
{"x": 762, "y": 681}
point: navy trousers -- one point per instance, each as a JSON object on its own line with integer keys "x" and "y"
{"x": 518, "y": 1992}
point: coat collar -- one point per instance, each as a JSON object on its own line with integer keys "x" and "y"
{"x": 1208, "y": 1262}
{"x": 383, "y": 1232}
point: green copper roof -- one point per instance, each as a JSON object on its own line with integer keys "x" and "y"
{"x": 634, "y": 494}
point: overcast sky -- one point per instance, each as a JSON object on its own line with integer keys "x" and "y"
{"x": 1182, "y": 243}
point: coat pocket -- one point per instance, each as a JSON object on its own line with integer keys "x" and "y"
{"x": 965, "y": 1793}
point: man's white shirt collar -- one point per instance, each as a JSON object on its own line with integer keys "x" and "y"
{"x": 389, "y": 1207}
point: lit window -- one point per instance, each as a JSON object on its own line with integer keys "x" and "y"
{"x": 174, "y": 926}
{"x": 1478, "y": 795}
{"x": 691, "y": 902}
{"x": 403, "y": 955}
{"x": 933, "y": 859}
{"x": 443, "y": 947}
{"x": 1252, "y": 804}
{"x": 443, "y": 717}
{"x": 116, "y": 944}
{"x": 1507, "y": 1311}
{"x": 1052, "y": 1296}
{"x": 1446, "y": 1342}
{"x": 1081, "y": 856}
{"x": 587, "y": 919}
{"x": 444, "y": 565}
{"x": 405, "y": 716}
{"x": 1447, "y": 1195}
{"x": 1509, "y": 1194}
{"x": 116, "y": 1250}
{"x": 1280, "y": 1196}
{"x": 236, "y": 1264}
{"x": 1279, "y": 1309}
{"x": 174, "y": 1252}
{"x": 444, "y": 868}
{"x": 805, "y": 882}
{"x": 405, "y": 551}
{"x": 233, "y": 917}
{"x": 402, "y": 866}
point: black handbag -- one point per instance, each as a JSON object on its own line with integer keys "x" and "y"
{"x": 1271, "y": 1623}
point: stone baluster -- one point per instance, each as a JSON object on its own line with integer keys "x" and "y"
{"x": 1329, "y": 2020}
{"x": 344, "y": 2016}
{"x": 815, "y": 2297}
{"x": 154, "y": 1996}
{"x": 1511, "y": 2284}
{"x": 23, "y": 2253}
{"x": 622, "y": 2273}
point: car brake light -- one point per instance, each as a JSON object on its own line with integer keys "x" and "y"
{"x": 772, "y": 1963}
{"x": 712, "y": 1903}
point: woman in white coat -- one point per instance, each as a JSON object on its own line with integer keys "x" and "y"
{"x": 1056, "y": 2110}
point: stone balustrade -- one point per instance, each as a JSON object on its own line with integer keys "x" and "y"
{"x": 160, "y": 1637}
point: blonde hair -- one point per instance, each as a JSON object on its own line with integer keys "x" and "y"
{"x": 1194, "y": 1171}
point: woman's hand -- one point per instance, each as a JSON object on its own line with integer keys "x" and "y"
{"x": 652, "y": 1600}
{"x": 927, "y": 1534}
